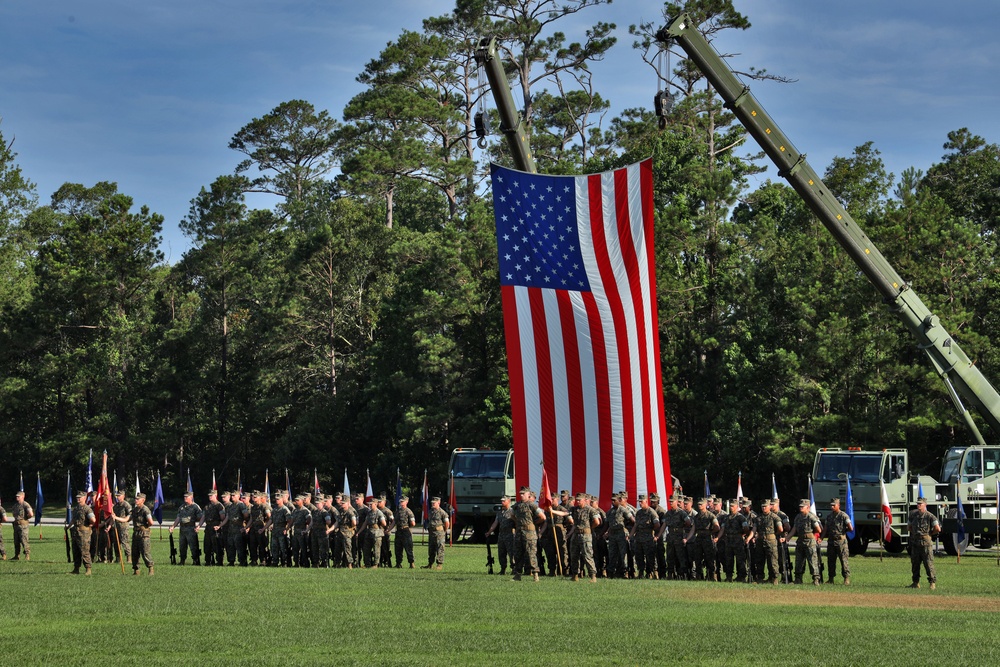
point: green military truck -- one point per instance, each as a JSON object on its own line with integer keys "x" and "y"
{"x": 481, "y": 476}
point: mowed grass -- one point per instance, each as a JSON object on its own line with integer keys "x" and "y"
{"x": 462, "y": 616}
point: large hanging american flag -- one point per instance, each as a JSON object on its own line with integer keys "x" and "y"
{"x": 579, "y": 306}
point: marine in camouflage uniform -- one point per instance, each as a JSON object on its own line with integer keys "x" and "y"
{"x": 347, "y": 524}
{"x": 213, "y": 515}
{"x": 320, "y": 523}
{"x": 584, "y": 519}
{"x": 784, "y": 559}
{"x": 372, "y": 534}
{"x": 689, "y": 547}
{"x": 361, "y": 509}
{"x": 620, "y": 520}
{"x": 278, "y": 524}
{"x": 703, "y": 534}
{"x": 673, "y": 532}
{"x": 81, "y": 528}
{"x": 503, "y": 525}
{"x": 734, "y": 529}
{"x": 552, "y": 539}
{"x": 437, "y": 528}
{"x": 257, "y": 541}
{"x": 643, "y": 536}
{"x": 600, "y": 538}
{"x": 804, "y": 527}
{"x": 659, "y": 548}
{"x": 142, "y": 521}
{"x": 121, "y": 509}
{"x": 404, "y": 521}
{"x": 836, "y": 525}
{"x": 924, "y": 527}
{"x": 526, "y": 511}
{"x": 189, "y": 517}
{"x": 385, "y": 559}
{"x": 237, "y": 514}
{"x": 20, "y": 518}
{"x": 767, "y": 526}
{"x": 300, "y": 519}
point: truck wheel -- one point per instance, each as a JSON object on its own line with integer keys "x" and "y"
{"x": 895, "y": 545}
{"x": 858, "y": 546}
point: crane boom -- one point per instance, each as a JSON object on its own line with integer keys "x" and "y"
{"x": 963, "y": 378}
{"x": 510, "y": 120}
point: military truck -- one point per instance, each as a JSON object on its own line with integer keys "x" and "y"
{"x": 481, "y": 477}
{"x": 967, "y": 472}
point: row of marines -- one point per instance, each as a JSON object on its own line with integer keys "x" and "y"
{"x": 688, "y": 540}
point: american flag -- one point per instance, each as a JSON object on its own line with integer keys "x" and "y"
{"x": 579, "y": 305}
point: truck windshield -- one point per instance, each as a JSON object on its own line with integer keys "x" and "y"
{"x": 861, "y": 467}
{"x": 480, "y": 464}
{"x": 949, "y": 466}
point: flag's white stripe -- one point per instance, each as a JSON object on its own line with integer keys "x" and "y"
{"x": 560, "y": 471}
{"x": 636, "y": 439}
{"x": 590, "y": 261}
{"x": 588, "y": 380}
{"x": 529, "y": 368}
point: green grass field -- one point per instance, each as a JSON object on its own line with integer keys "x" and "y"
{"x": 461, "y": 615}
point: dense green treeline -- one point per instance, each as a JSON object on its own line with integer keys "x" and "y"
{"x": 357, "y": 324}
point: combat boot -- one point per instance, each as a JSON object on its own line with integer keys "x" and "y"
{"x": 135, "y": 572}
{"x": 411, "y": 566}
{"x": 817, "y": 581}
{"x": 847, "y": 581}
{"x": 87, "y": 573}
{"x": 534, "y": 576}
{"x": 831, "y": 581}
{"x": 76, "y": 570}
{"x": 593, "y": 578}
{"x": 151, "y": 570}
{"x": 933, "y": 585}
{"x": 798, "y": 580}
{"x": 517, "y": 576}
{"x": 574, "y": 578}
{"x": 915, "y": 584}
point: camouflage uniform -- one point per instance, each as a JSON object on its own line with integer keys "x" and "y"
{"x": 804, "y": 528}
{"x": 923, "y": 526}
{"x": 525, "y": 538}
{"x": 705, "y": 527}
{"x": 581, "y": 547}
{"x": 142, "y": 519}
{"x": 784, "y": 559}
{"x": 404, "y": 535}
{"x": 371, "y": 536}
{"x": 385, "y": 559}
{"x": 600, "y": 540}
{"x": 553, "y": 542}
{"x": 767, "y": 526}
{"x": 660, "y": 548}
{"x": 122, "y": 509}
{"x": 212, "y": 515}
{"x": 436, "y": 536}
{"x": 280, "y": 519}
{"x": 735, "y": 530}
{"x": 80, "y": 530}
{"x": 236, "y": 515}
{"x": 300, "y": 535}
{"x": 347, "y": 524}
{"x": 319, "y": 545}
{"x": 20, "y": 515}
{"x": 3, "y": 519}
{"x": 619, "y": 518}
{"x": 505, "y": 538}
{"x": 188, "y": 517}
{"x": 362, "y": 512}
{"x": 677, "y": 563}
{"x": 257, "y": 541}
{"x": 835, "y": 526}
{"x": 647, "y": 523}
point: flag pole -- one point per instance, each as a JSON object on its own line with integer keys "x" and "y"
{"x": 118, "y": 541}
{"x": 881, "y": 535}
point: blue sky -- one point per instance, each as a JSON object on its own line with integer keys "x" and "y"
{"x": 149, "y": 93}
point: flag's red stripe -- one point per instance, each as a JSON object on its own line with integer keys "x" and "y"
{"x": 603, "y": 391}
{"x": 623, "y": 373}
{"x": 574, "y": 381}
{"x": 543, "y": 364}
{"x": 646, "y": 180}
{"x": 519, "y": 420}
{"x": 626, "y": 242}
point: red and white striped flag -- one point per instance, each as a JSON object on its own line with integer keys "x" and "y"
{"x": 580, "y": 322}
{"x": 886, "y": 513}
{"x": 369, "y": 494}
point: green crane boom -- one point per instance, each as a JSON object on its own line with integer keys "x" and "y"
{"x": 963, "y": 379}
{"x": 511, "y": 123}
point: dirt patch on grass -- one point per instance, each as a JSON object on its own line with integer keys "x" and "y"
{"x": 810, "y": 596}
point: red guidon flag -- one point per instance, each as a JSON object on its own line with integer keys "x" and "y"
{"x": 545, "y": 495}
{"x": 886, "y": 513}
{"x": 580, "y": 321}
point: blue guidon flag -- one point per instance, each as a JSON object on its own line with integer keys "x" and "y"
{"x": 580, "y": 321}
